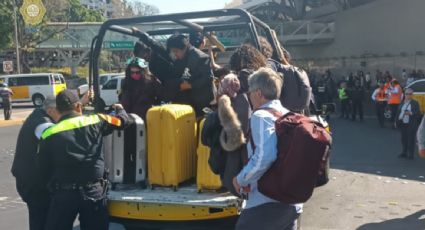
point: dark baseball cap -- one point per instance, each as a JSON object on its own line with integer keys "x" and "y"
{"x": 196, "y": 38}
{"x": 65, "y": 100}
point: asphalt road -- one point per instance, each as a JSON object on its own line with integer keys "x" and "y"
{"x": 370, "y": 188}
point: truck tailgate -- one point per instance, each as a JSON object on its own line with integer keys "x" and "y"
{"x": 168, "y": 205}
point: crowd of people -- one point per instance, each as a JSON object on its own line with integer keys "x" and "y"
{"x": 394, "y": 103}
{"x": 63, "y": 147}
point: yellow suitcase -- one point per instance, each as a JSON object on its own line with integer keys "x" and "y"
{"x": 205, "y": 178}
{"x": 171, "y": 147}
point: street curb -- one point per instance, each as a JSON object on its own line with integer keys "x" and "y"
{"x": 4, "y": 123}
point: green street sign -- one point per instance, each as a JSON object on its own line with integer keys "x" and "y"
{"x": 119, "y": 45}
{"x": 225, "y": 41}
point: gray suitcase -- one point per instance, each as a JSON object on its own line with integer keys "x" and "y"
{"x": 125, "y": 154}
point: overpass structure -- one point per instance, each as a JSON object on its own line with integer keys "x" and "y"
{"x": 69, "y": 43}
{"x": 296, "y": 22}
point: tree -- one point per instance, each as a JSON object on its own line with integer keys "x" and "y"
{"x": 79, "y": 13}
{"x": 6, "y": 24}
{"x": 121, "y": 9}
{"x": 56, "y": 11}
{"x": 130, "y": 8}
{"x": 143, "y": 9}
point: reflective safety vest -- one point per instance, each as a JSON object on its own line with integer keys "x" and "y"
{"x": 387, "y": 86}
{"x": 342, "y": 94}
{"x": 395, "y": 98}
{"x": 79, "y": 122}
{"x": 381, "y": 95}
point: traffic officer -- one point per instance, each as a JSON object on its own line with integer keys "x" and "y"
{"x": 24, "y": 168}
{"x": 380, "y": 97}
{"x": 344, "y": 100}
{"x": 72, "y": 164}
{"x": 6, "y": 95}
{"x": 395, "y": 95}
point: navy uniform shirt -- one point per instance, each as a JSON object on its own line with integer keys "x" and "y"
{"x": 71, "y": 150}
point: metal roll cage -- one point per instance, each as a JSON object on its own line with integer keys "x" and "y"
{"x": 117, "y": 25}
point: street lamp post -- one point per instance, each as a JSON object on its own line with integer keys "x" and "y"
{"x": 18, "y": 60}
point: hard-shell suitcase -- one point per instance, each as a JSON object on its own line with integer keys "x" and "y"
{"x": 125, "y": 153}
{"x": 171, "y": 144}
{"x": 113, "y": 149}
{"x": 205, "y": 178}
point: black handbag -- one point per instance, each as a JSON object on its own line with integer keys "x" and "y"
{"x": 210, "y": 136}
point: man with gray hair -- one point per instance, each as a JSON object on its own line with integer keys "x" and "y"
{"x": 262, "y": 212}
{"x": 407, "y": 120}
{"x": 24, "y": 168}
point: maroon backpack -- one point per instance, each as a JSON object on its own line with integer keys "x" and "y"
{"x": 303, "y": 153}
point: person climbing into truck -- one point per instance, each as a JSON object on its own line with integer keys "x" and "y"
{"x": 296, "y": 92}
{"x": 244, "y": 61}
{"x": 193, "y": 68}
{"x": 141, "y": 90}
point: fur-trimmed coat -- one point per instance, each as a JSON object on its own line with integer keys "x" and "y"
{"x": 234, "y": 114}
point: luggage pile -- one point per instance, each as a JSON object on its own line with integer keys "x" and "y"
{"x": 166, "y": 154}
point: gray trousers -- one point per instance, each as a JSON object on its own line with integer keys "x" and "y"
{"x": 270, "y": 216}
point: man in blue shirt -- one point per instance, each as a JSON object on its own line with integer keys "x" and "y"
{"x": 262, "y": 212}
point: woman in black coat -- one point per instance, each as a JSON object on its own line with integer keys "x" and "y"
{"x": 141, "y": 90}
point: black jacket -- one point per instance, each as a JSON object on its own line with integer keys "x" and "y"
{"x": 224, "y": 163}
{"x": 243, "y": 76}
{"x": 24, "y": 167}
{"x": 201, "y": 79}
{"x": 75, "y": 155}
{"x": 139, "y": 96}
{"x": 356, "y": 93}
{"x": 415, "y": 118}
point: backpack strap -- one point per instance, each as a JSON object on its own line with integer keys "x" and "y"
{"x": 297, "y": 78}
{"x": 275, "y": 113}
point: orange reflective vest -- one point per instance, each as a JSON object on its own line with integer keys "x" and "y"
{"x": 395, "y": 98}
{"x": 382, "y": 95}
{"x": 387, "y": 85}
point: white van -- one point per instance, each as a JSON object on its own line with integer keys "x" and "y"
{"x": 111, "y": 89}
{"x": 34, "y": 87}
